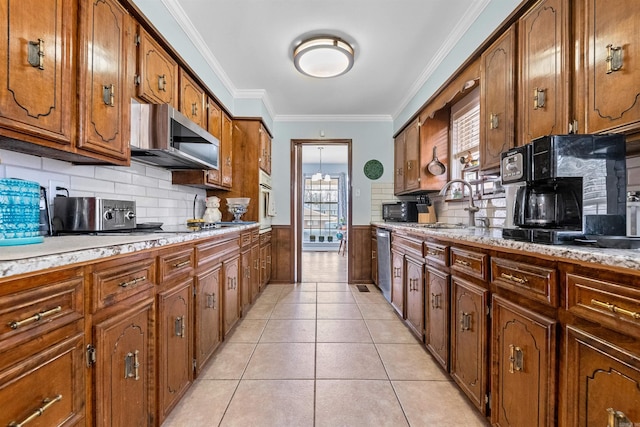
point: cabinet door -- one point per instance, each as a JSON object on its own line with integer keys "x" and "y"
{"x": 469, "y": 340}
{"x": 415, "y": 296}
{"x": 524, "y": 366}
{"x": 245, "y": 283}
{"x": 543, "y": 97}
{"x": 497, "y": 98}
{"x": 412, "y": 157}
{"x": 207, "y": 315}
{"x": 603, "y": 379}
{"x": 436, "y": 303}
{"x": 124, "y": 367}
{"x": 612, "y": 89}
{"x": 226, "y": 152}
{"x": 38, "y": 76}
{"x": 255, "y": 272}
{"x": 397, "y": 282}
{"x": 434, "y": 132}
{"x": 265, "y": 150}
{"x": 105, "y": 40}
{"x": 231, "y": 301}
{"x": 175, "y": 345}
{"x": 192, "y": 100}
{"x": 398, "y": 162}
{"x": 157, "y": 72}
{"x": 268, "y": 267}
{"x": 49, "y": 384}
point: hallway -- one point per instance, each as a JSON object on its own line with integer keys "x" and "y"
{"x": 322, "y": 354}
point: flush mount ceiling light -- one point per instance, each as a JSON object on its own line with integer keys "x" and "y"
{"x": 323, "y": 57}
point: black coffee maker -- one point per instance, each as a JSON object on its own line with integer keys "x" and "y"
{"x": 574, "y": 187}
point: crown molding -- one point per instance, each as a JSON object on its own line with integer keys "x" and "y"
{"x": 334, "y": 118}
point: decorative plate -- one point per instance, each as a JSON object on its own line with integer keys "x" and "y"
{"x": 373, "y": 169}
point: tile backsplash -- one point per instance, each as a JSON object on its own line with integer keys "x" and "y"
{"x": 157, "y": 199}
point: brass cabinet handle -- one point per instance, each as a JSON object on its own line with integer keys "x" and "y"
{"x": 493, "y": 121}
{"x": 211, "y": 301}
{"x": 516, "y": 359}
{"x": 182, "y": 264}
{"x": 162, "y": 83}
{"x": 539, "y": 98}
{"x": 614, "y": 58}
{"x": 109, "y": 95}
{"x": 179, "y": 327}
{"x": 132, "y": 281}
{"x": 435, "y": 300}
{"x": 194, "y": 109}
{"x": 36, "y": 54}
{"x": 465, "y": 321}
{"x": 131, "y": 366}
{"x": 434, "y": 253}
{"x": 46, "y": 404}
{"x": 462, "y": 262}
{"x": 256, "y": 264}
{"x": 35, "y": 318}
{"x": 399, "y": 172}
{"x": 521, "y": 280}
{"x": 615, "y": 309}
{"x": 409, "y": 165}
{"x": 617, "y": 419}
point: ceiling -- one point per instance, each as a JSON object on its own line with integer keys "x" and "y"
{"x": 398, "y": 43}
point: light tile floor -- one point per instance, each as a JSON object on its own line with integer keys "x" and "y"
{"x": 322, "y": 354}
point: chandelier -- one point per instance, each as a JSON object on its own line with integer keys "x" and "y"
{"x": 318, "y": 175}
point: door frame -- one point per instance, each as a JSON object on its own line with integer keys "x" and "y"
{"x": 296, "y": 199}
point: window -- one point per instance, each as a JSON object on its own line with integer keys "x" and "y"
{"x": 321, "y": 220}
{"x": 465, "y": 141}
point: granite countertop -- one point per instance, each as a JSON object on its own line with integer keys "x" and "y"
{"x": 623, "y": 258}
{"x": 66, "y": 250}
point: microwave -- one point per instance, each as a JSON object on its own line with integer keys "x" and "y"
{"x": 400, "y": 211}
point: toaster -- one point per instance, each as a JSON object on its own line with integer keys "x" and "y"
{"x": 91, "y": 214}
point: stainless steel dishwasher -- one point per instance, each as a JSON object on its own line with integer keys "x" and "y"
{"x": 384, "y": 262}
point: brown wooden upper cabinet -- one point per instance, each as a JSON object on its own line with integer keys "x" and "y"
{"x": 407, "y": 159}
{"x": 106, "y": 31}
{"x": 265, "y": 150}
{"x": 543, "y": 95}
{"x": 226, "y": 152}
{"x": 434, "y": 133}
{"x": 192, "y": 100}
{"x": 39, "y": 77}
{"x": 609, "y": 49}
{"x": 497, "y": 99}
{"x": 157, "y": 73}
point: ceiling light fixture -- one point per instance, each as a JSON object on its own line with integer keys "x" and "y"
{"x": 323, "y": 57}
{"x": 318, "y": 175}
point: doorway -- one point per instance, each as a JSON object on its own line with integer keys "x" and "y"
{"x": 321, "y": 209}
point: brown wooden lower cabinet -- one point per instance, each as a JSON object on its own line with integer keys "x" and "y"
{"x": 175, "y": 349}
{"x": 230, "y": 292}
{"x": 414, "y": 291}
{"x": 397, "y": 281}
{"x": 207, "y": 328}
{"x": 603, "y": 378}
{"x": 469, "y": 340}
{"x": 124, "y": 366}
{"x": 436, "y": 303}
{"x": 523, "y": 383}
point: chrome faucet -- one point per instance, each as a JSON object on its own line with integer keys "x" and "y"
{"x": 472, "y": 208}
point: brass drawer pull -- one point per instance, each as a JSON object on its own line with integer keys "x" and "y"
{"x": 179, "y": 327}
{"x": 538, "y": 98}
{"x": 36, "y": 54}
{"x": 465, "y": 321}
{"x": 521, "y": 280}
{"x": 617, "y": 419}
{"x": 615, "y": 309}
{"x": 162, "y": 83}
{"x": 182, "y": 264}
{"x": 194, "y": 109}
{"x": 435, "y": 300}
{"x": 131, "y": 366}
{"x": 211, "y": 301}
{"x": 493, "y": 121}
{"x": 35, "y": 318}
{"x": 614, "y": 58}
{"x": 434, "y": 253}
{"x": 462, "y": 262}
{"x": 516, "y": 359}
{"x": 132, "y": 281}
{"x": 37, "y": 412}
{"x": 109, "y": 95}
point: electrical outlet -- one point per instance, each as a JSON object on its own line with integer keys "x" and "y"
{"x": 51, "y": 191}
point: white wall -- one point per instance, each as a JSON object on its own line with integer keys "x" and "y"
{"x": 369, "y": 140}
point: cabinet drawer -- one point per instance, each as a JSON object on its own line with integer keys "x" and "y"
{"x": 40, "y": 309}
{"x": 265, "y": 238}
{"x": 211, "y": 253}
{"x": 407, "y": 244}
{"x": 48, "y": 385}
{"x": 245, "y": 239}
{"x": 175, "y": 264}
{"x": 609, "y": 304}
{"x": 117, "y": 280}
{"x": 436, "y": 254}
{"x": 537, "y": 283}
{"x": 255, "y": 236}
{"x": 474, "y": 264}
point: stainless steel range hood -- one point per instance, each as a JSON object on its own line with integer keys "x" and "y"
{"x": 162, "y": 136}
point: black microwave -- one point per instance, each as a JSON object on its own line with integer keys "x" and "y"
{"x": 400, "y": 211}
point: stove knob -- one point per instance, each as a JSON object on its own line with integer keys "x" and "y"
{"x": 108, "y": 215}
{"x": 130, "y": 215}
